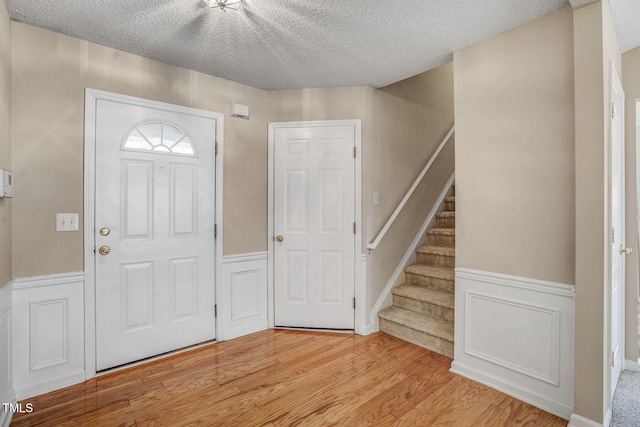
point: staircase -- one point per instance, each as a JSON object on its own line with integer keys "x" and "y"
{"x": 422, "y": 311}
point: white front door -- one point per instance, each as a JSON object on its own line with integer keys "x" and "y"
{"x": 154, "y": 230}
{"x": 617, "y": 224}
{"x": 314, "y": 215}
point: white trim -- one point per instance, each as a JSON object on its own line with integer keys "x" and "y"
{"x": 419, "y": 237}
{"x": 580, "y": 421}
{"x": 361, "y": 309}
{"x": 539, "y": 400}
{"x": 553, "y": 313}
{"x": 7, "y": 394}
{"x": 255, "y": 256}
{"x": 373, "y": 245}
{"x": 22, "y": 283}
{"x": 91, "y": 98}
{"x": 546, "y": 314}
{"x": 250, "y": 313}
{"x": 49, "y": 386}
{"x": 632, "y": 365}
{"x": 615, "y": 82}
{"x": 31, "y": 374}
{"x": 536, "y": 285}
{"x": 360, "y": 285}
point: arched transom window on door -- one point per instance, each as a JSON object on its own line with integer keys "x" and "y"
{"x": 160, "y": 137}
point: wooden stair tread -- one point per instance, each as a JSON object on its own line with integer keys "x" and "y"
{"x": 420, "y": 293}
{"x": 445, "y": 273}
{"x": 450, "y": 199}
{"x": 419, "y": 322}
{"x": 446, "y": 214}
{"x": 437, "y": 250}
{"x": 442, "y": 231}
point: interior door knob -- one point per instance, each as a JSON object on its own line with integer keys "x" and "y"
{"x": 104, "y": 231}
{"x": 625, "y": 251}
{"x": 104, "y": 250}
{"x": 280, "y": 239}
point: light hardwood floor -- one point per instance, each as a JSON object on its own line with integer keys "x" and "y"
{"x": 284, "y": 378}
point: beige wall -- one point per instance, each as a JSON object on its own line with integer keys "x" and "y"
{"x": 409, "y": 120}
{"x": 50, "y": 73}
{"x": 5, "y": 141}
{"x": 631, "y": 85}
{"x": 402, "y": 126}
{"x": 596, "y": 44}
{"x": 514, "y": 113}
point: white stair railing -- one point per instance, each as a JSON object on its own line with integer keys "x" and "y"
{"x": 373, "y": 245}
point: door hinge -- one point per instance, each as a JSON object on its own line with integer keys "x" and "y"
{"x": 613, "y": 235}
{"x": 215, "y": 310}
{"x": 354, "y": 228}
{"x": 613, "y": 359}
{"x": 354, "y": 303}
{"x": 354, "y": 152}
{"x": 215, "y": 231}
{"x": 613, "y": 110}
{"x": 216, "y": 148}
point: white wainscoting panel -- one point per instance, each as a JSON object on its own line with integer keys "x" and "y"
{"x": 6, "y": 369}
{"x": 517, "y": 335}
{"x": 48, "y": 333}
{"x": 243, "y": 309}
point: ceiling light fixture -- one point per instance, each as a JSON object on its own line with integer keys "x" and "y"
{"x": 225, "y": 4}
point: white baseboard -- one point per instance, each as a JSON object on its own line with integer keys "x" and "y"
{"x": 516, "y": 334}
{"x": 385, "y": 299}
{"x": 632, "y": 365}
{"x": 48, "y": 333}
{"x": 580, "y": 421}
{"x": 49, "y": 386}
{"x": 243, "y": 307}
{"x": 538, "y": 400}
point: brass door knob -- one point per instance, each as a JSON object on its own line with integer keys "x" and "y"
{"x": 104, "y": 231}
{"x": 280, "y": 239}
{"x": 104, "y": 250}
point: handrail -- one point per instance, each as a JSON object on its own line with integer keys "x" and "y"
{"x": 373, "y": 245}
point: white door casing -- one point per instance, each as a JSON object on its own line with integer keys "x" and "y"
{"x": 154, "y": 291}
{"x": 617, "y": 203}
{"x": 312, "y": 205}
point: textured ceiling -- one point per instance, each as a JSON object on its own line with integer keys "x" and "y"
{"x": 283, "y": 44}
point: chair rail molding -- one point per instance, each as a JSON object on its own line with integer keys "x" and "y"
{"x": 516, "y": 334}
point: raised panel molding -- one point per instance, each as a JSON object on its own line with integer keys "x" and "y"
{"x": 48, "y": 333}
{"x": 516, "y": 334}
{"x": 6, "y": 369}
{"x": 243, "y": 308}
{"x": 546, "y": 331}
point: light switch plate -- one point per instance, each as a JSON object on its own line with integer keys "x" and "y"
{"x": 376, "y": 198}
{"x": 67, "y": 222}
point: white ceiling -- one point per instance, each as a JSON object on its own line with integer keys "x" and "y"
{"x": 279, "y": 44}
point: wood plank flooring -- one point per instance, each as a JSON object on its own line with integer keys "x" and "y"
{"x": 287, "y": 378}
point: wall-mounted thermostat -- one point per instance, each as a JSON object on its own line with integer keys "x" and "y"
{"x": 6, "y": 183}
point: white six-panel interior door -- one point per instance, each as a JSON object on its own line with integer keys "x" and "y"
{"x": 155, "y": 197}
{"x": 314, "y": 226}
{"x": 617, "y": 232}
